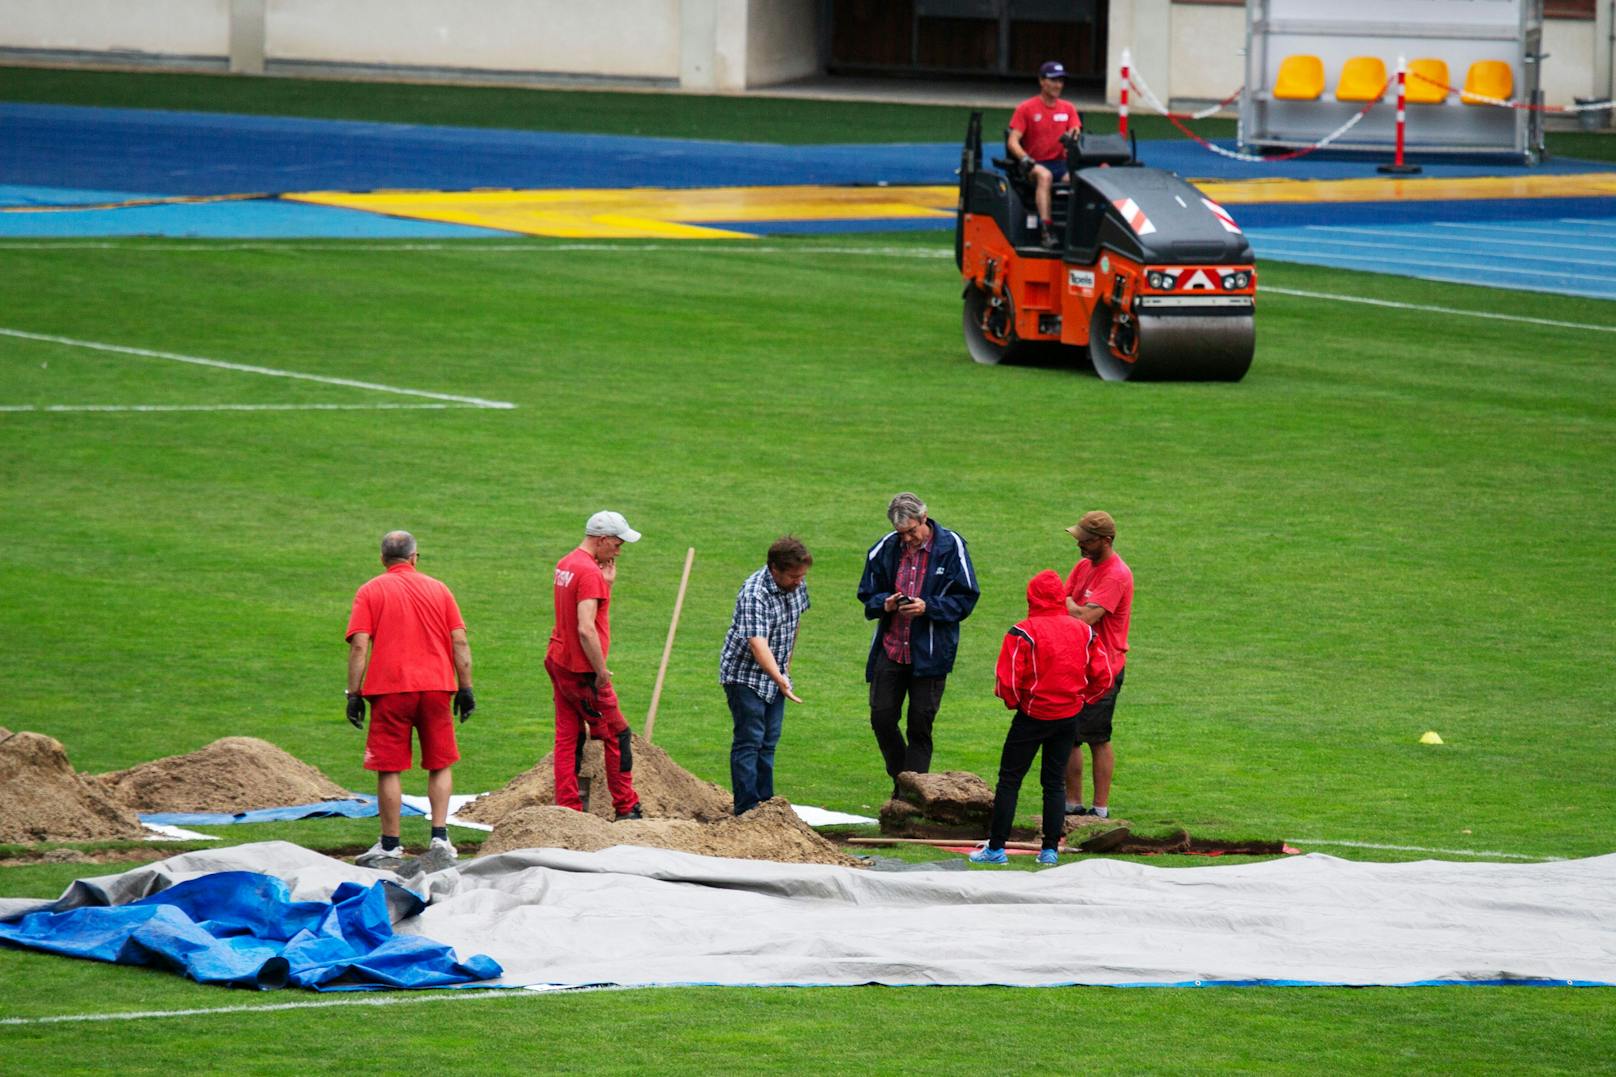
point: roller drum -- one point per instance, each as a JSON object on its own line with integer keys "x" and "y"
{"x": 1177, "y": 346}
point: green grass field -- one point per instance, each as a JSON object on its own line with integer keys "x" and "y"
{"x": 1400, "y": 521}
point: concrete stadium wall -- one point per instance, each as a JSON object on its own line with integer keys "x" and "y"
{"x": 190, "y": 28}
{"x": 695, "y": 44}
{"x": 634, "y": 39}
{"x": 782, "y": 41}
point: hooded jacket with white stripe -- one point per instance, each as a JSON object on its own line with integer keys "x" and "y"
{"x": 949, "y": 592}
{"x": 1051, "y": 664}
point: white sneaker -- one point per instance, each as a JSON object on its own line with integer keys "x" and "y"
{"x": 439, "y": 855}
{"x": 377, "y": 857}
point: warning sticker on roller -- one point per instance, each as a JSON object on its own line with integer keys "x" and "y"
{"x": 1222, "y": 215}
{"x": 1081, "y": 279}
{"x": 1134, "y": 216}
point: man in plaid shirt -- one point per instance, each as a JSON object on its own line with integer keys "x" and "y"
{"x": 754, "y": 666}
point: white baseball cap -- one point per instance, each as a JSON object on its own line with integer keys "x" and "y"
{"x": 613, "y": 524}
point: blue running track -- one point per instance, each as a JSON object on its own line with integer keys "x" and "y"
{"x": 101, "y": 159}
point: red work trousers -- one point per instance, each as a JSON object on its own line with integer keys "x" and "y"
{"x": 575, "y": 697}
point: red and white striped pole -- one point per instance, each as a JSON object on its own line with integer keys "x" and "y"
{"x": 1122, "y": 113}
{"x": 1398, "y": 165}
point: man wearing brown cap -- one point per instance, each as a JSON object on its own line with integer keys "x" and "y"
{"x": 1099, "y": 592}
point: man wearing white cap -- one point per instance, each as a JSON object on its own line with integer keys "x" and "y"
{"x": 1034, "y": 142}
{"x": 585, "y": 700}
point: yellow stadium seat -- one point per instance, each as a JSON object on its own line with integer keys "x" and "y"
{"x": 1488, "y": 78}
{"x": 1362, "y": 79}
{"x": 1300, "y": 78}
{"x": 1430, "y": 90}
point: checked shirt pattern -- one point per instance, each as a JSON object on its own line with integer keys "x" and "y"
{"x": 761, "y": 609}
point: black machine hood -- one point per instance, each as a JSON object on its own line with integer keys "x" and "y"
{"x": 1181, "y": 226}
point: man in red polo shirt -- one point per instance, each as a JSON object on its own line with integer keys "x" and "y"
{"x": 1034, "y": 141}
{"x": 1099, "y": 592}
{"x": 585, "y": 701}
{"x": 408, "y": 657}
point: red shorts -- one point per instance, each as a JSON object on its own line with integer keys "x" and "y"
{"x": 392, "y": 716}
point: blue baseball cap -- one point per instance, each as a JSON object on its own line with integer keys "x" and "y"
{"x": 1052, "y": 70}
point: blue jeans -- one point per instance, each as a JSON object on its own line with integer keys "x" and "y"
{"x": 751, "y": 753}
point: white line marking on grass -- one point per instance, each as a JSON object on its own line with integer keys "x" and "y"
{"x": 1419, "y": 849}
{"x": 353, "y": 999}
{"x": 246, "y": 368}
{"x": 232, "y": 407}
{"x": 1265, "y": 290}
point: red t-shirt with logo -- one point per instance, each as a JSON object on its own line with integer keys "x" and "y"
{"x": 578, "y": 577}
{"x": 408, "y": 616}
{"x": 1108, "y": 585}
{"x": 1042, "y": 125}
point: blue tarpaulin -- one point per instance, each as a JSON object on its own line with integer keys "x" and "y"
{"x": 359, "y": 807}
{"x": 242, "y": 929}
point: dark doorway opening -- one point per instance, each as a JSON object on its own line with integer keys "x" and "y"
{"x": 967, "y": 39}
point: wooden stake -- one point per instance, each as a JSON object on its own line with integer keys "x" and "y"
{"x": 667, "y": 648}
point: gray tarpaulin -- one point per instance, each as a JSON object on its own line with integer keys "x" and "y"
{"x": 631, "y": 915}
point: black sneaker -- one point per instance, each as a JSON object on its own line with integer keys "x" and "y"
{"x": 1049, "y": 241}
{"x": 632, "y": 813}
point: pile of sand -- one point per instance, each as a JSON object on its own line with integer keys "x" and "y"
{"x": 770, "y": 831}
{"x": 233, "y": 774}
{"x": 44, "y": 799}
{"x": 667, "y": 790}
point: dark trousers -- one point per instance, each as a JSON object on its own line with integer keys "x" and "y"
{"x": 751, "y": 753}
{"x": 889, "y": 685}
{"x": 1021, "y": 743}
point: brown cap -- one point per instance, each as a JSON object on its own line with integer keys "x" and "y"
{"x": 1095, "y": 523}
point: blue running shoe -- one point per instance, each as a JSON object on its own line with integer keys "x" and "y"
{"x": 1047, "y": 856}
{"x": 985, "y": 855}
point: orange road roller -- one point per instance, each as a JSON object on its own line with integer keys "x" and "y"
{"x": 1151, "y": 278}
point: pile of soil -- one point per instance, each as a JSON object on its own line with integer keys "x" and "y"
{"x": 770, "y": 831}
{"x": 233, "y": 774}
{"x": 667, "y": 790}
{"x": 46, "y": 800}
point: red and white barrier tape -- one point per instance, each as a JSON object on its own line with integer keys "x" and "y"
{"x": 1471, "y": 95}
{"x": 1150, "y": 98}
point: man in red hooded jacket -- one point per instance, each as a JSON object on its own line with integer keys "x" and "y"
{"x": 1050, "y": 665}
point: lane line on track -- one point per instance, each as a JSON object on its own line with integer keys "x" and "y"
{"x": 1395, "y": 233}
{"x": 352, "y": 999}
{"x": 1436, "y": 310}
{"x": 1438, "y": 244}
{"x": 1421, "y": 849}
{"x": 246, "y": 368}
{"x": 1274, "y": 247}
{"x": 228, "y": 407}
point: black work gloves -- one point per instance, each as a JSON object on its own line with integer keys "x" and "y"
{"x": 356, "y": 711}
{"x": 464, "y": 702}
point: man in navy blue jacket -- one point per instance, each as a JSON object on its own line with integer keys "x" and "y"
{"x": 918, "y": 584}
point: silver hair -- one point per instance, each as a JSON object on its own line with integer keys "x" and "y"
{"x": 397, "y": 546}
{"x": 905, "y": 506}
